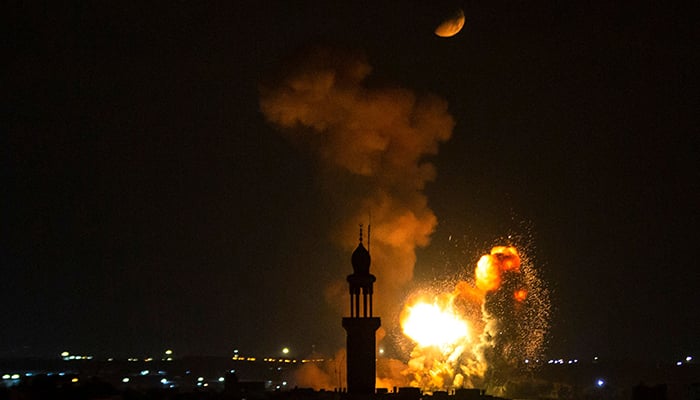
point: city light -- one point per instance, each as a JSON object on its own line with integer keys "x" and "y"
{"x": 68, "y": 357}
{"x": 281, "y": 363}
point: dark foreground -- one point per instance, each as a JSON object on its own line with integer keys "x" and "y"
{"x": 223, "y": 379}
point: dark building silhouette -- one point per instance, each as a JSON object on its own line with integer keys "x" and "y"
{"x": 361, "y": 325}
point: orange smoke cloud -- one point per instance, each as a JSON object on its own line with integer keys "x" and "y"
{"x": 327, "y": 375}
{"x": 373, "y": 143}
{"x": 391, "y": 373}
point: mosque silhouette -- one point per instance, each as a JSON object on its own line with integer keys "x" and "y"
{"x": 361, "y": 326}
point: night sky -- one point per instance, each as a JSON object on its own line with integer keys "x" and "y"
{"x": 149, "y": 204}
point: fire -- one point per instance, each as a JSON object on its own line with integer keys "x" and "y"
{"x": 431, "y": 325}
{"x": 490, "y": 267}
{"x": 478, "y": 334}
{"x": 520, "y": 295}
{"x": 442, "y": 335}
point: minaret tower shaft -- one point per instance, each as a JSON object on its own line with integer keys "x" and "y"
{"x": 361, "y": 326}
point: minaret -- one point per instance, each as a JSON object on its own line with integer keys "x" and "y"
{"x": 361, "y": 326}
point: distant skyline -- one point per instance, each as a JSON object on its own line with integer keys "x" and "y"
{"x": 150, "y": 203}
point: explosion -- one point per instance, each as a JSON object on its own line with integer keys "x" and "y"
{"x": 373, "y": 145}
{"x": 490, "y": 267}
{"x": 479, "y": 334}
{"x": 446, "y": 327}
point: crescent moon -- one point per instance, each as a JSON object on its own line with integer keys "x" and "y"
{"x": 451, "y": 26}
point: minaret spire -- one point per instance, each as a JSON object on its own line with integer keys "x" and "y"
{"x": 368, "y": 228}
{"x": 361, "y": 326}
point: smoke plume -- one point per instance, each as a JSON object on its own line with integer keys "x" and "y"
{"x": 327, "y": 374}
{"x": 372, "y": 144}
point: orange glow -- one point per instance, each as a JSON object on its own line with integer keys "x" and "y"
{"x": 443, "y": 335}
{"x": 456, "y": 333}
{"x": 491, "y": 266}
{"x": 452, "y": 26}
{"x": 432, "y": 325}
{"x": 467, "y": 292}
{"x": 520, "y": 295}
{"x": 487, "y": 274}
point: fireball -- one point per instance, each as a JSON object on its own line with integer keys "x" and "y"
{"x": 431, "y": 325}
{"x": 477, "y": 334}
{"x": 490, "y": 267}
